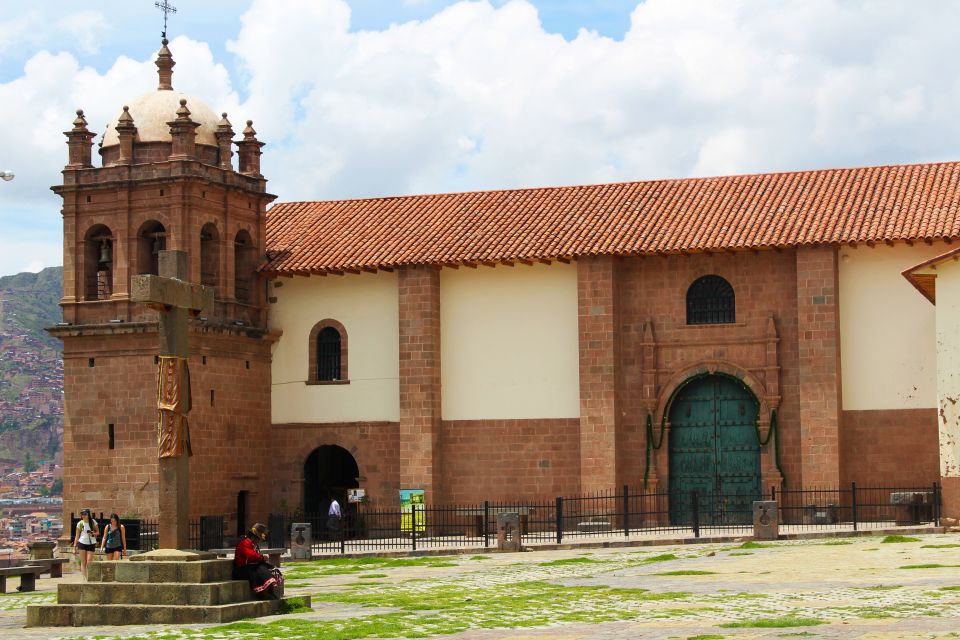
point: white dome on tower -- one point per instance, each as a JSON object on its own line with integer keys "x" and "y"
{"x": 152, "y": 111}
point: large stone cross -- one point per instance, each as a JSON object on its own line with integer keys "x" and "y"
{"x": 175, "y": 299}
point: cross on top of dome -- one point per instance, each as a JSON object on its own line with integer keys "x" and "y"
{"x": 167, "y": 9}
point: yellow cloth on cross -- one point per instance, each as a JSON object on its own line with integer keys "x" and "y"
{"x": 173, "y": 402}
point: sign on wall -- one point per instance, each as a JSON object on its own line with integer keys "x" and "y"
{"x": 412, "y": 512}
{"x": 356, "y": 496}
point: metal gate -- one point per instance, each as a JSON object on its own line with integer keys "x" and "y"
{"x": 714, "y": 451}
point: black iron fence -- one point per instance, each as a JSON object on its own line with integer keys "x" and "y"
{"x": 144, "y": 534}
{"x": 623, "y": 513}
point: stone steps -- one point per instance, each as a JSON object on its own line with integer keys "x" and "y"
{"x": 203, "y": 571}
{"x": 80, "y": 615}
{"x": 158, "y": 587}
{"x": 168, "y": 593}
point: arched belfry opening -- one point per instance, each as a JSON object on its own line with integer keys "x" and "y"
{"x": 714, "y": 450}
{"x": 328, "y": 472}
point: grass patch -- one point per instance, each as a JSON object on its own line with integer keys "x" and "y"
{"x": 294, "y": 605}
{"x": 709, "y": 636}
{"x": 883, "y": 587}
{"x": 953, "y": 588}
{"x": 798, "y": 634}
{"x": 774, "y": 623}
{"x": 940, "y": 546}
{"x": 566, "y": 561}
{"x": 686, "y": 572}
{"x": 479, "y": 558}
{"x": 931, "y": 565}
{"x": 750, "y": 544}
{"x": 367, "y": 576}
{"x": 896, "y": 539}
{"x": 341, "y": 566}
{"x": 835, "y": 543}
{"x": 741, "y": 553}
{"x": 663, "y": 557}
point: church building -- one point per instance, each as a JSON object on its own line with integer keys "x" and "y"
{"x": 731, "y": 334}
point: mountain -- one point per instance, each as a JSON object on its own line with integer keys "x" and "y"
{"x": 31, "y": 367}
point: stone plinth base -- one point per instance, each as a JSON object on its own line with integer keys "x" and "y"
{"x": 159, "y": 587}
{"x": 950, "y": 497}
{"x": 42, "y": 549}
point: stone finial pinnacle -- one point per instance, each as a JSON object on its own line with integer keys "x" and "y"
{"x": 125, "y": 117}
{"x": 183, "y": 113}
{"x": 80, "y": 123}
{"x": 249, "y": 133}
{"x": 165, "y": 64}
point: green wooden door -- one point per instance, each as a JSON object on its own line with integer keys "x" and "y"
{"x": 714, "y": 452}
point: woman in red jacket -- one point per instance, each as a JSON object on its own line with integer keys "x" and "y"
{"x": 250, "y": 565}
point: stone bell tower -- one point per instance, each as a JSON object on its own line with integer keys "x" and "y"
{"x": 167, "y": 179}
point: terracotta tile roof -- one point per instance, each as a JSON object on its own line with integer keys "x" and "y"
{"x": 923, "y": 276}
{"x": 872, "y": 204}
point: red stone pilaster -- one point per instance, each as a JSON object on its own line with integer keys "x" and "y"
{"x": 818, "y": 329}
{"x": 598, "y": 312}
{"x": 419, "y": 302}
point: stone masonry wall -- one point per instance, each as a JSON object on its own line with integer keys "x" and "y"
{"x": 229, "y": 429}
{"x": 419, "y": 304}
{"x": 598, "y": 311}
{"x": 889, "y": 448}
{"x": 818, "y": 322}
{"x": 510, "y": 459}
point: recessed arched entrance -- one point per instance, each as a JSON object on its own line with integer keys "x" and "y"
{"x": 328, "y": 472}
{"x": 714, "y": 450}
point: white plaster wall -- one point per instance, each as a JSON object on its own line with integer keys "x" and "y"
{"x": 888, "y": 355}
{"x": 366, "y": 305}
{"x": 509, "y": 342}
{"x": 948, "y": 367}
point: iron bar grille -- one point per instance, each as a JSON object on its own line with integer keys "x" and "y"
{"x": 616, "y": 514}
{"x": 710, "y": 300}
{"x": 328, "y": 354}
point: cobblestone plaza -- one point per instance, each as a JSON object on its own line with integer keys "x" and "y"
{"x": 867, "y": 587}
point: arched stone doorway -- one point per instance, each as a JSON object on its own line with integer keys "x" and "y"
{"x": 714, "y": 450}
{"x": 328, "y": 472}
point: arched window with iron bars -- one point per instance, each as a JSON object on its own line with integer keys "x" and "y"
{"x": 328, "y": 355}
{"x": 710, "y": 300}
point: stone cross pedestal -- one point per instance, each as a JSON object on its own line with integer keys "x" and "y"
{"x": 174, "y": 298}
{"x": 766, "y": 520}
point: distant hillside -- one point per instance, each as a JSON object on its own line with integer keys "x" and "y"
{"x": 31, "y": 366}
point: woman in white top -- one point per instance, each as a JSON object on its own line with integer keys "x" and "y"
{"x": 85, "y": 540}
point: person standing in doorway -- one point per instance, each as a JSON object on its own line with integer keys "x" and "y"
{"x": 334, "y": 518}
{"x": 85, "y": 540}
{"x": 114, "y": 543}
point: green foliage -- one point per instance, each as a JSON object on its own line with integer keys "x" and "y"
{"x": 563, "y": 561}
{"x": 663, "y": 557}
{"x": 750, "y": 544}
{"x": 940, "y": 546}
{"x": 897, "y": 539}
{"x": 774, "y": 623}
{"x": 928, "y": 566}
{"x": 294, "y": 605}
{"x": 341, "y": 566}
{"x": 29, "y": 464}
{"x": 479, "y": 558}
{"x": 709, "y": 636}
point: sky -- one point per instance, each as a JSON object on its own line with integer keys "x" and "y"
{"x": 360, "y": 98}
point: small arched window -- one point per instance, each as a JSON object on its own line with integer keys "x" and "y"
{"x": 98, "y": 263}
{"x": 710, "y": 300}
{"x": 328, "y": 353}
{"x": 243, "y": 267}
{"x": 210, "y": 255}
{"x": 151, "y": 240}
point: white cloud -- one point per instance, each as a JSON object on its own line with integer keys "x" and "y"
{"x": 480, "y": 96}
